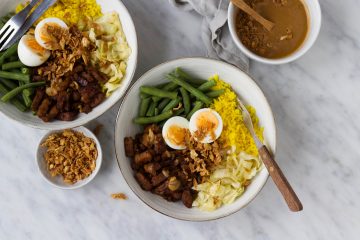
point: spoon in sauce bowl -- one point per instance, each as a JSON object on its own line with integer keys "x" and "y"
{"x": 268, "y": 25}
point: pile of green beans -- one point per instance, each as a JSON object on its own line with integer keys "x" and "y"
{"x": 182, "y": 96}
{"x": 15, "y": 80}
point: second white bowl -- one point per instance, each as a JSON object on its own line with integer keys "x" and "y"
{"x": 314, "y": 10}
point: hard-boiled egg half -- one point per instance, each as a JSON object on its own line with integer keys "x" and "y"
{"x": 43, "y": 37}
{"x": 31, "y": 53}
{"x": 206, "y": 125}
{"x": 174, "y": 132}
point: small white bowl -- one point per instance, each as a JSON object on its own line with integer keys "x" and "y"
{"x": 203, "y": 68}
{"x": 314, "y": 12}
{"x": 31, "y": 120}
{"x": 58, "y": 181}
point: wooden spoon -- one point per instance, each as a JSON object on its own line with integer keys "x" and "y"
{"x": 246, "y": 8}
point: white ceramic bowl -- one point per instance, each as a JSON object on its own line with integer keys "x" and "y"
{"x": 58, "y": 181}
{"x": 314, "y": 11}
{"x": 248, "y": 91}
{"x": 33, "y": 121}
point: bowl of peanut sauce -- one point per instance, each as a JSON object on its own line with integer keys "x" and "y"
{"x": 297, "y": 26}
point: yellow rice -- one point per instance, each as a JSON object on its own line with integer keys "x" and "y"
{"x": 71, "y": 11}
{"x": 235, "y": 133}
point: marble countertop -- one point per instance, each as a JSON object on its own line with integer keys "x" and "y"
{"x": 316, "y": 104}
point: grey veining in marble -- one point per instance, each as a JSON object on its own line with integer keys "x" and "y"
{"x": 316, "y": 104}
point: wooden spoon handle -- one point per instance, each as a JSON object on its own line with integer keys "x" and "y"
{"x": 280, "y": 180}
{"x": 246, "y": 8}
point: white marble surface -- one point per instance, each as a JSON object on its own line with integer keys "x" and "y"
{"x": 316, "y": 104}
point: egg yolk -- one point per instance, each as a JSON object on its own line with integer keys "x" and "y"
{"x": 176, "y": 135}
{"x": 206, "y": 124}
{"x": 33, "y": 45}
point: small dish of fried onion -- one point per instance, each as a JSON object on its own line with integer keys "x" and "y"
{"x": 70, "y": 158}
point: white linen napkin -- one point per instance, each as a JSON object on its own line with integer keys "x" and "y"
{"x": 214, "y": 31}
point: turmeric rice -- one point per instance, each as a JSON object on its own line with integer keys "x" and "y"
{"x": 235, "y": 133}
{"x": 70, "y": 11}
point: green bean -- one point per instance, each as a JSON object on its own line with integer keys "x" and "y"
{"x": 27, "y": 92}
{"x": 163, "y": 103}
{"x": 178, "y": 112}
{"x": 13, "y": 58}
{"x": 156, "y": 112}
{"x": 25, "y": 70}
{"x": 12, "y": 65}
{"x": 25, "y": 96}
{"x": 17, "y": 103}
{"x": 27, "y": 100}
{"x": 144, "y": 95}
{"x": 144, "y": 105}
{"x": 215, "y": 93}
{"x": 9, "y": 52}
{"x": 186, "y": 100}
{"x": 167, "y": 87}
{"x": 197, "y": 93}
{"x": 15, "y": 70}
{"x": 9, "y": 83}
{"x": 196, "y": 107}
{"x": 154, "y": 119}
{"x": 170, "y": 87}
{"x": 15, "y": 76}
{"x": 151, "y": 110}
{"x": 173, "y": 103}
{"x": 19, "y": 89}
{"x": 180, "y": 73}
{"x": 206, "y": 86}
{"x": 158, "y": 92}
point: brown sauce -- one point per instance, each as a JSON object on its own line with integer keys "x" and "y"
{"x": 291, "y": 27}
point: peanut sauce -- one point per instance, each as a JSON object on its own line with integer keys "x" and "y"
{"x": 290, "y": 31}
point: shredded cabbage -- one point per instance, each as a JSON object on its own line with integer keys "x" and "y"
{"x": 112, "y": 50}
{"x": 228, "y": 181}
